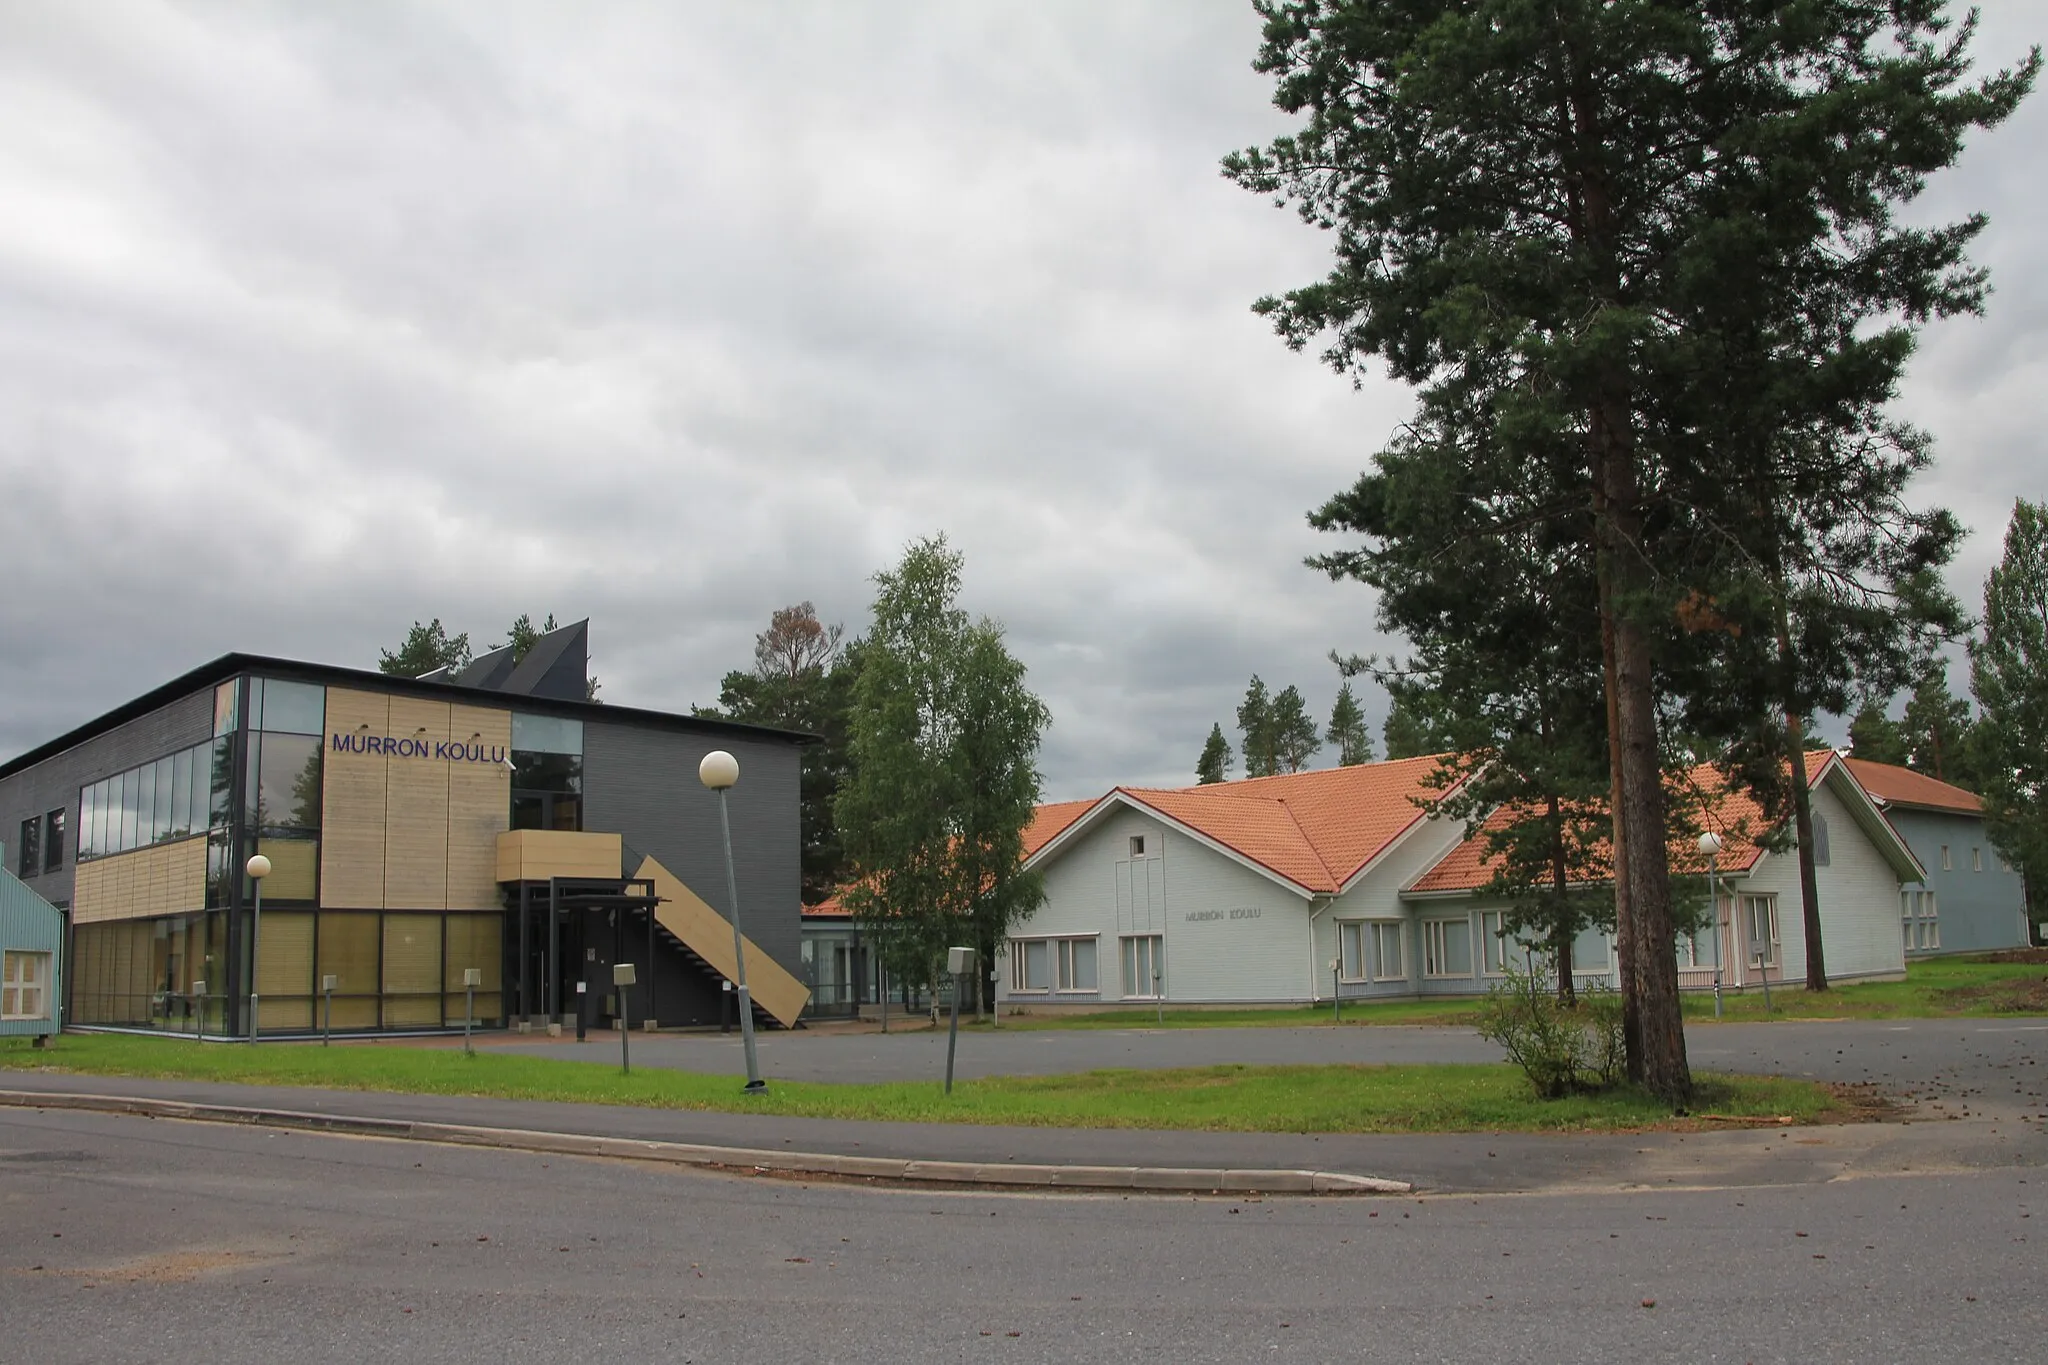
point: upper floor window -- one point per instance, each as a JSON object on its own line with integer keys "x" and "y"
{"x": 1976, "y": 860}
{"x": 1137, "y": 845}
{"x": 53, "y": 841}
{"x": 29, "y": 861}
{"x": 287, "y": 708}
{"x": 1947, "y": 863}
{"x": 1820, "y": 840}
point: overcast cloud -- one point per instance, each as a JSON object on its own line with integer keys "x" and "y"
{"x": 318, "y": 319}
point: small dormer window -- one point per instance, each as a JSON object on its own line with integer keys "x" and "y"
{"x": 1137, "y": 845}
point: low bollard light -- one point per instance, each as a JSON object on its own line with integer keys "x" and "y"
{"x": 622, "y": 979}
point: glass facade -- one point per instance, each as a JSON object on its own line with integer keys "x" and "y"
{"x": 257, "y": 786}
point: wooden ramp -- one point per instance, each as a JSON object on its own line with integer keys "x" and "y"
{"x": 708, "y": 934}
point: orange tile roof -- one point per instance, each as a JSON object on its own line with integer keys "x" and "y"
{"x": 1048, "y": 821}
{"x": 1316, "y": 829}
{"x": 1734, "y": 814}
{"x": 1896, "y": 786}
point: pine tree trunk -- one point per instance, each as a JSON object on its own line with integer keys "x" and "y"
{"x": 1809, "y": 881}
{"x": 1642, "y": 861}
{"x": 1560, "y": 885}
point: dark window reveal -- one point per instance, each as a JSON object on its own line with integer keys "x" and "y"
{"x": 30, "y": 859}
{"x": 53, "y": 841}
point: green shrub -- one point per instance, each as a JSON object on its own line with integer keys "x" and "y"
{"x": 1563, "y": 1050}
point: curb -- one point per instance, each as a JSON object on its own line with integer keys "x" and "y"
{"x": 1018, "y": 1175}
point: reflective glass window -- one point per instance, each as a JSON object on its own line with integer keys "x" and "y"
{"x": 540, "y": 772}
{"x": 145, "y": 805}
{"x": 131, "y": 784}
{"x": 181, "y": 794}
{"x": 219, "y": 884}
{"x": 546, "y": 734}
{"x": 226, "y": 719}
{"x": 85, "y": 819}
{"x": 288, "y": 781}
{"x": 166, "y": 769}
{"x": 290, "y": 708}
{"x": 223, "y": 779}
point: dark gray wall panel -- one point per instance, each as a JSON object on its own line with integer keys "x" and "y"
{"x": 55, "y": 781}
{"x": 642, "y": 785}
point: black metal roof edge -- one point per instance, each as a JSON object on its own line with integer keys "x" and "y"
{"x": 297, "y": 670}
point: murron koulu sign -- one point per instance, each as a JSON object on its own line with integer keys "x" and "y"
{"x": 431, "y": 750}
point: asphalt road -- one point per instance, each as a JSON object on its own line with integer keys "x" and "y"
{"x": 129, "y": 1240}
{"x": 1987, "y": 1066}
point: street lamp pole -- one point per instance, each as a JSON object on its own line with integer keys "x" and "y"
{"x": 259, "y": 868}
{"x": 1710, "y": 844}
{"x": 719, "y": 771}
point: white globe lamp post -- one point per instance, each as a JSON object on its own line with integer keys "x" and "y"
{"x": 258, "y": 869}
{"x": 1710, "y": 844}
{"x": 719, "y": 771}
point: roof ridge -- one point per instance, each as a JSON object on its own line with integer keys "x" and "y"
{"x": 1308, "y": 839}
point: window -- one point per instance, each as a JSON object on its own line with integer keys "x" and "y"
{"x": 1052, "y": 964}
{"x": 1137, "y": 845}
{"x": 1820, "y": 839}
{"x": 1919, "y": 920}
{"x": 1371, "y": 950}
{"x": 29, "y": 861}
{"x": 1447, "y": 947}
{"x": 1976, "y": 857}
{"x": 1500, "y": 947}
{"x": 53, "y": 841}
{"x": 1760, "y": 919}
{"x": 287, "y": 707}
{"x": 175, "y": 797}
{"x": 1947, "y": 863}
{"x": 1145, "y": 966}
{"x": 25, "y": 986}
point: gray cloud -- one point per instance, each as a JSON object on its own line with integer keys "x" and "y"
{"x": 315, "y": 320}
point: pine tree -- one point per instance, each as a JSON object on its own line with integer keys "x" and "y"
{"x": 1295, "y": 740}
{"x": 1875, "y": 736}
{"x": 1579, "y": 227}
{"x": 1408, "y": 730}
{"x": 424, "y": 649}
{"x": 1255, "y": 728}
{"x": 1348, "y": 730}
{"x": 1937, "y": 729}
{"x": 1216, "y": 760}
{"x": 2009, "y": 674}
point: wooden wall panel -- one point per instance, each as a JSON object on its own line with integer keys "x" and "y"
{"x": 166, "y": 879}
{"x": 352, "y": 807}
{"x": 416, "y": 809}
{"x": 534, "y": 855}
{"x": 479, "y": 806}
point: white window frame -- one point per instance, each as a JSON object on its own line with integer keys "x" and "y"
{"x": 1919, "y": 920}
{"x": 1435, "y": 949}
{"x": 1976, "y": 859}
{"x": 1153, "y": 955}
{"x": 1137, "y": 846}
{"x": 1494, "y": 938}
{"x": 1948, "y": 863}
{"x": 1753, "y": 901}
{"x": 1367, "y": 947}
{"x": 25, "y": 977}
{"x": 1059, "y": 961}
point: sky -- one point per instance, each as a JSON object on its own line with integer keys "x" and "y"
{"x": 317, "y": 320}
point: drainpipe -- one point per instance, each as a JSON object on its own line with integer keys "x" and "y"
{"x": 1315, "y": 974}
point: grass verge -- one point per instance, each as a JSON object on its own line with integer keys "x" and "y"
{"x": 1266, "y": 1099}
{"x": 1947, "y": 988}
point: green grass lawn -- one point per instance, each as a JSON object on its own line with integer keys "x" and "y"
{"x": 1944, "y": 988}
{"x": 1271, "y": 1099}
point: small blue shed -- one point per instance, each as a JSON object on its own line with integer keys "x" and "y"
{"x": 31, "y": 958}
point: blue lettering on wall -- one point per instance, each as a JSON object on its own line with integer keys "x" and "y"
{"x": 448, "y": 751}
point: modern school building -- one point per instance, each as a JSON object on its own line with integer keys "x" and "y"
{"x": 493, "y": 819}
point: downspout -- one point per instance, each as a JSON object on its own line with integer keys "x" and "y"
{"x": 1315, "y": 966}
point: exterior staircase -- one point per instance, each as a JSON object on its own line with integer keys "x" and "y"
{"x": 705, "y": 936}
